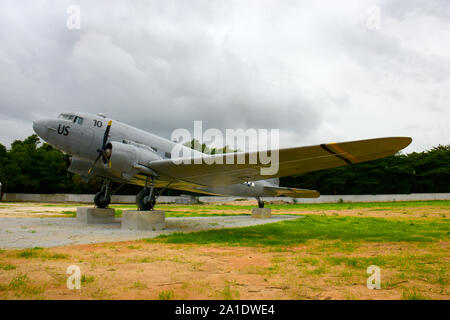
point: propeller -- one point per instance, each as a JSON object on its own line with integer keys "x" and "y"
{"x": 103, "y": 152}
{"x": 65, "y": 164}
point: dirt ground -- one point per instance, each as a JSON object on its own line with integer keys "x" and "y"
{"x": 39, "y": 210}
{"x": 425, "y": 211}
{"x": 143, "y": 270}
{"x": 140, "y": 270}
{"x": 33, "y": 210}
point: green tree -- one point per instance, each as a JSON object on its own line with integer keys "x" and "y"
{"x": 29, "y": 166}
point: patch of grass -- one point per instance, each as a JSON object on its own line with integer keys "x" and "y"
{"x": 175, "y": 214}
{"x": 7, "y": 267}
{"x": 19, "y": 281}
{"x": 37, "y": 252}
{"x": 87, "y": 279}
{"x": 21, "y": 286}
{"x": 29, "y": 253}
{"x": 319, "y": 227}
{"x": 65, "y": 205}
{"x": 134, "y": 247}
{"x": 311, "y": 261}
{"x": 359, "y": 262}
{"x": 318, "y": 270}
{"x": 166, "y": 295}
{"x": 196, "y": 265}
{"x": 228, "y": 293}
{"x": 442, "y": 279}
{"x": 139, "y": 285}
{"x": 71, "y": 214}
{"x": 413, "y": 295}
{"x": 55, "y": 256}
{"x": 317, "y": 206}
{"x": 278, "y": 259}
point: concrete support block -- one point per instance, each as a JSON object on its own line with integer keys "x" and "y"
{"x": 261, "y": 213}
{"x": 143, "y": 220}
{"x": 186, "y": 199}
{"x": 91, "y": 215}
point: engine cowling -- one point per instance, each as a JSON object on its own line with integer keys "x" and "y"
{"x": 79, "y": 166}
{"x": 128, "y": 159}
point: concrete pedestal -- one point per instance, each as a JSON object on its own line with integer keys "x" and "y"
{"x": 143, "y": 220}
{"x": 261, "y": 213}
{"x": 95, "y": 215}
{"x": 185, "y": 199}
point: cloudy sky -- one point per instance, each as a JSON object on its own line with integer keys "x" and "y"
{"x": 320, "y": 71}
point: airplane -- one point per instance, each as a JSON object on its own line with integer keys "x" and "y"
{"x": 119, "y": 153}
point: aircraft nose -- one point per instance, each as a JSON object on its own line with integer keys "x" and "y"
{"x": 39, "y": 127}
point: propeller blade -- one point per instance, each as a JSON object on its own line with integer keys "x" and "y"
{"x": 101, "y": 152}
{"x": 95, "y": 162}
{"x": 105, "y": 137}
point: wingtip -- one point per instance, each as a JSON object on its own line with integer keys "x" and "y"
{"x": 404, "y": 142}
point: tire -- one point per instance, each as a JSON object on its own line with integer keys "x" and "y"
{"x": 100, "y": 201}
{"x": 141, "y": 203}
{"x": 261, "y": 204}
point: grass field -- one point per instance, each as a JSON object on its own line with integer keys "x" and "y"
{"x": 324, "y": 254}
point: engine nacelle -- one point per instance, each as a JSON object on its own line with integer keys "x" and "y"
{"x": 127, "y": 159}
{"x": 79, "y": 166}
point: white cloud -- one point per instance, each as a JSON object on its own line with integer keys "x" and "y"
{"x": 313, "y": 70}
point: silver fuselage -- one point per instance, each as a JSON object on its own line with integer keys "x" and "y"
{"x": 83, "y": 138}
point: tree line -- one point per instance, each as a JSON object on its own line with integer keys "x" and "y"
{"x": 31, "y": 167}
{"x": 417, "y": 172}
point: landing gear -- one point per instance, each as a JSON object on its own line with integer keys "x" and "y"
{"x": 103, "y": 198}
{"x": 145, "y": 199}
{"x": 260, "y": 202}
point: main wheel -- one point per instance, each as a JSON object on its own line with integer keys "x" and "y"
{"x": 102, "y": 201}
{"x": 141, "y": 203}
{"x": 261, "y": 204}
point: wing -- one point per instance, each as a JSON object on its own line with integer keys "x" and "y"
{"x": 291, "y": 161}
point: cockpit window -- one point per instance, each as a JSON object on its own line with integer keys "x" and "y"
{"x": 64, "y": 116}
{"x": 79, "y": 120}
{"x": 71, "y": 117}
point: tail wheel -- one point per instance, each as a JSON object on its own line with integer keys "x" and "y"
{"x": 102, "y": 201}
{"x": 141, "y": 203}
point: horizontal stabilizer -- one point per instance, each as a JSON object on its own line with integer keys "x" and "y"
{"x": 293, "y": 192}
